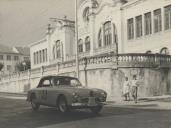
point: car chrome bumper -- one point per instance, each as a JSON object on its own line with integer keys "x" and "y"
{"x": 91, "y": 103}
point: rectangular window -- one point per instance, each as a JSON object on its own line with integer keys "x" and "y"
{"x": 46, "y": 55}
{"x": 139, "y": 26}
{"x": 34, "y": 56}
{"x": 37, "y": 58}
{"x": 157, "y": 20}
{"x": 40, "y": 56}
{"x": 8, "y": 67}
{"x": 87, "y": 45}
{"x": 80, "y": 48}
{"x": 8, "y": 57}
{"x": 26, "y": 58}
{"x": 16, "y": 58}
{"x": 147, "y": 22}
{"x": 107, "y": 34}
{"x": 43, "y": 51}
{"x": 1, "y": 57}
{"x": 130, "y": 25}
{"x": 167, "y": 17}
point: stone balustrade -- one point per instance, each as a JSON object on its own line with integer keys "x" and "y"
{"x": 131, "y": 60}
{"x": 142, "y": 60}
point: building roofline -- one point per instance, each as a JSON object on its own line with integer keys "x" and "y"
{"x": 38, "y": 42}
{"x": 130, "y": 3}
{"x": 10, "y": 53}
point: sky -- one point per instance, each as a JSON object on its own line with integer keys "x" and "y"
{"x": 25, "y": 21}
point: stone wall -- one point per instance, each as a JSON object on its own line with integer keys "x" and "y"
{"x": 152, "y": 81}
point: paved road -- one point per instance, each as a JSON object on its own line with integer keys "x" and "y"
{"x": 18, "y": 114}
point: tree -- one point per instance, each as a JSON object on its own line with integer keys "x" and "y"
{"x": 1, "y": 66}
{"x": 24, "y": 65}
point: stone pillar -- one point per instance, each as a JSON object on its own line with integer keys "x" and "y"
{"x": 112, "y": 32}
{"x": 92, "y": 30}
{"x": 152, "y": 23}
{"x": 134, "y": 22}
{"x": 42, "y": 71}
{"x": 29, "y": 75}
{"x": 162, "y": 19}
{"x": 143, "y": 25}
{"x": 48, "y": 38}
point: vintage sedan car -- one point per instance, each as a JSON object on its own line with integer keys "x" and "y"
{"x": 65, "y": 93}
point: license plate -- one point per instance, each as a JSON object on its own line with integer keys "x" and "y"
{"x": 77, "y": 104}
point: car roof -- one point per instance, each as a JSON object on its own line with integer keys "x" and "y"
{"x": 57, "y": 76}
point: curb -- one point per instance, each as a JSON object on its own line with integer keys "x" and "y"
{"x": 13, "y": 94}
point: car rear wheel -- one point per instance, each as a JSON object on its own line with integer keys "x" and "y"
{"x": 96, "y": 109}
{"x": 62, "y": 104}
{"x": 35, "y": 106}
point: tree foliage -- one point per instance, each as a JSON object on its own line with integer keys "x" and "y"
{"x": 1, "y": 66}
{"x": 24, "y": 65}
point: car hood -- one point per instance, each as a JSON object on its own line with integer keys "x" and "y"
{"x": 82, "y": 90}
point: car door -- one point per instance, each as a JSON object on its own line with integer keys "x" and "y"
{"x": 53, "y": 92}
{"x": 43, "y": 90}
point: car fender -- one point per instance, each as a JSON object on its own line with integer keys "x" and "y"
{"x": 67, "y": 96}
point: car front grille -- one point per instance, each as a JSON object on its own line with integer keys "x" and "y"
{"x": 84, "y": 100}
{"x": 98, "y": 100}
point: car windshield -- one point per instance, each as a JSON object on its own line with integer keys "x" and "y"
{"x": 69, "y": 81}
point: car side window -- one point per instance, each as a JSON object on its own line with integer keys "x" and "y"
{"x": 61, "y": 81}
{"x": 46, "y": 83}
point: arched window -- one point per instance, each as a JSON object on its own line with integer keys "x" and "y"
{"x": 148, "y": 52}
{"x": 54, "y": 52}
{"x": 86, "y": 14}
{"x": 107, "y": 33}
{"x": 80, "y": 46}
{"x": 87, "y": 43}
{"x": 100, "y": 38}
{"x": 115, "y": 36}
{"x": 164, "y": 51}
{"x": 58, "y": 50}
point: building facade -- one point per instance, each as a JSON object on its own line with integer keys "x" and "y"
{"x": 110, "y": 27}
{"x": 58, "y": 45}
{"x": 10, "y": 57}
{"x": 116, "y": 38}
{"x": 136, "y": 26}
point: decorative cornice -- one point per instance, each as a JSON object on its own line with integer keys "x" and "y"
{"x": 131, "y": 3}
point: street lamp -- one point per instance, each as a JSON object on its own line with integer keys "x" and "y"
{"x": 24, "y": 64}
{"x": 76, "y": 39}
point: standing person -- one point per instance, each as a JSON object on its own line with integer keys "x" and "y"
{"x": 126, "y": 89}
{"x": 134, "y": 88}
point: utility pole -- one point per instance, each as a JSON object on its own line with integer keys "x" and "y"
{"x": 76, "y": 39}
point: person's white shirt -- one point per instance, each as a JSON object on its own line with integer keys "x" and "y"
{"x": 126, "y": 87}
{"x": 134, "y": 83}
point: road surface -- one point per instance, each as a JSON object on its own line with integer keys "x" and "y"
{"x": 17, "y": 113}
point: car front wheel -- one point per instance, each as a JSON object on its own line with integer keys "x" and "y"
{"x": 96, "y": 109}
{"x": 62, "y": 104}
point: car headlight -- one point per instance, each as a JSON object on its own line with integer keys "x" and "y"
{"x": 103, "y": 94}
{"x": 75, "y": 95}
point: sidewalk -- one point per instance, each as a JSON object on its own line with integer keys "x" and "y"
{"x": 21, "y": 96}
{"x": 155, "y": 102}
